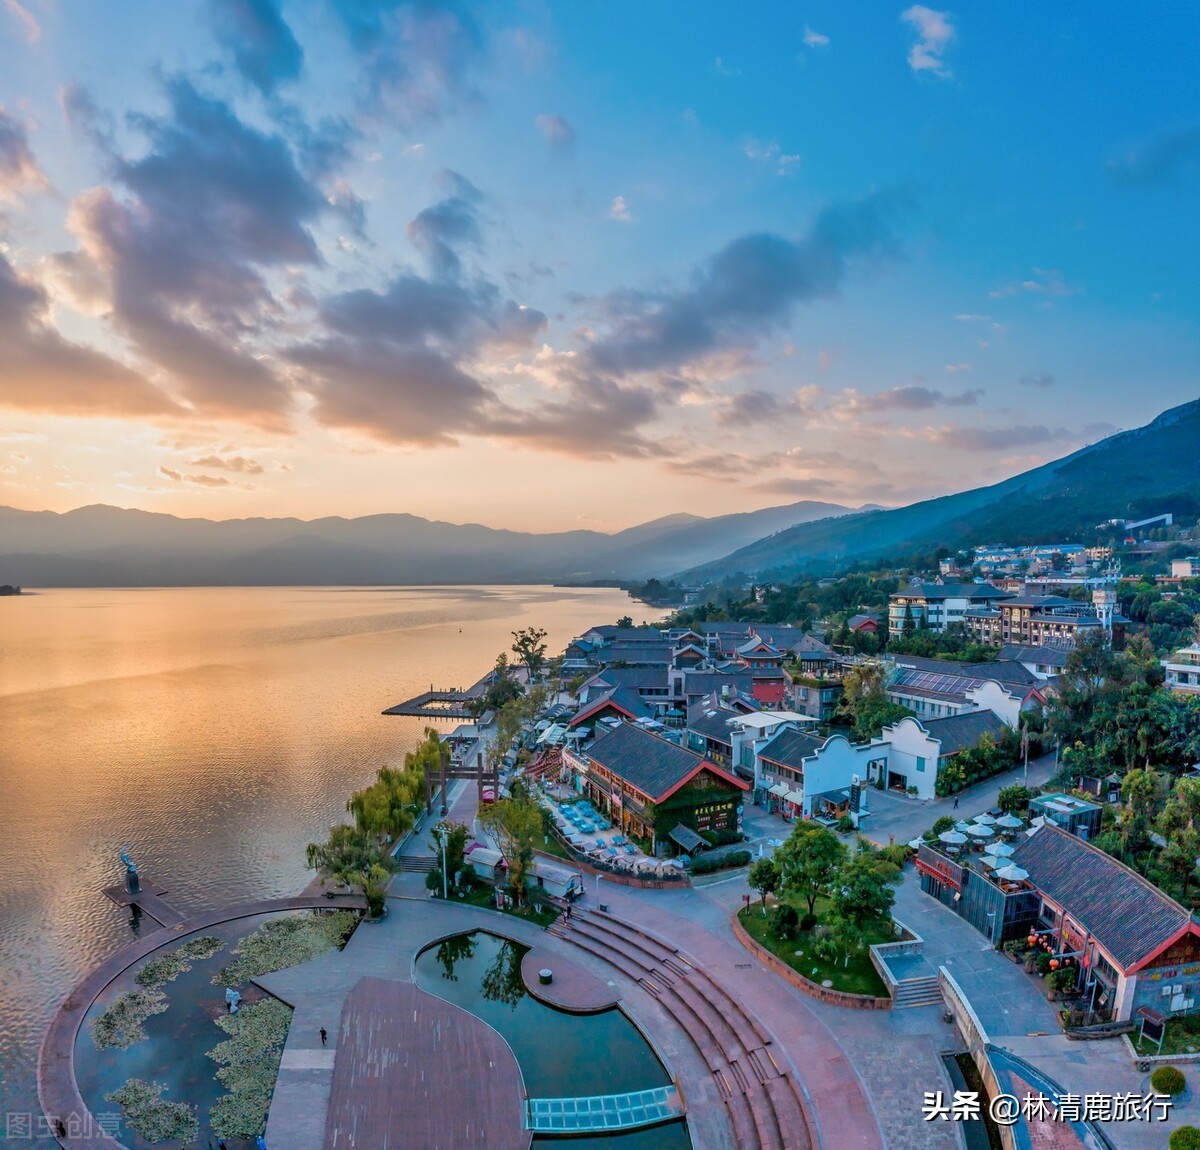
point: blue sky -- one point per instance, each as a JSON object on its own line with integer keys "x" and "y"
{"x": 615, "y": 261}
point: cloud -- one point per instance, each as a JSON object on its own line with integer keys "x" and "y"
{"x": 42, "y": 371}
{"x": 212, "y": 206}
{"x": 440, "y": 230}
{"x": 795, "y": 487}
{"x": 955, "y": 368}
{"x": 757, "y": 406}
{"x": 723, "y": 69}
{"x": 18, "y": 167}
{"x": 414, "y": 56}
{"x": 619, "y": 210}
{"x": 934, "y": 34}
{"x": 1043, "y": 281}
{"x": 785, "y": 163}
{"x": 814, "y": 39}
{"x": 558, "y": 132}
{"x": 1165, "y": 159}
{"x": 995, "y": 438}
{"x": 198, "y": 480}
{"x": 742, "y": 292}
{"x": 1041, "y": 380}
{"x": 229, "y": 463}
{"x": 33, "y": 30}
{"x": 262, "y": 45}
{"x": 917, "y": 398}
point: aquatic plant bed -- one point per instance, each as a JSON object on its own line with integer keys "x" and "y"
{"x": 859, "y": 976}
{"x": 249, "y": 1064}
{"x": 151, "y": 1115}
{"x": 164, "y": 1025}
{"x": 284, "y": 942}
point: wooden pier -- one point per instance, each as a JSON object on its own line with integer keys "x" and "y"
{"x": 433, "y": 704}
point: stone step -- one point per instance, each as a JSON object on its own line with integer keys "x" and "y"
{"x": 416, "y": 863}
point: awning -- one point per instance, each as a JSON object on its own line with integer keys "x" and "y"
{"x": 796, "y": 797}
{"x": 687, "y": 838}
{"x": 779, "y": 789}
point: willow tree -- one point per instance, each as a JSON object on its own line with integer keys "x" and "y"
{"x": 515, "y": 825}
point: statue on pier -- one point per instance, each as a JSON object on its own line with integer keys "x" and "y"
{"x": 132, "y": 884}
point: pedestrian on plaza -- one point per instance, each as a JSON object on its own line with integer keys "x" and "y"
{"x": 568, "y": 912}
{"x": 261, "y": 1143}
{"x": 221, "y": 1144}
{"x": 956, "y": 802}
{"x": 324, "y": 1036}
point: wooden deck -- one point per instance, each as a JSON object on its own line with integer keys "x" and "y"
{"x": 434, "y": 705}
{"x": 413, "y": 1070}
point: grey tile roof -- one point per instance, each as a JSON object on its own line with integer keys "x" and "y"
{"x": 642, "y": 654}
{"x": 791, "y": 747}
{"x": 624, "y": 697}
{"x": 650, "y": 763}
{"x": 1053, "y": 656}
{"x": 957, "y": 732}
{"x": 1126, "y": 914}
{"x": 614, "y": 634}
{"x": 639, "y": 678}
{"x": 705, "y": 682}
{"x": 711, "y": 722}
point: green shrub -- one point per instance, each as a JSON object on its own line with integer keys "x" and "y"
{"x": 897, "y": 854}
{"x": 706, "y": 864}
{"x": 1168, "y": 1080}
{"x": 808, "y": 921}
{"x": 1185, "y": 1138}
{"x": 784, "y": 921}
{"x": 944, "y": 823}
{"x": 845, "y": 824}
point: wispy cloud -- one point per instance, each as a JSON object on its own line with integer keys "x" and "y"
{"x": 228, "y": 463}
{"x": 784, "y": 163}
{"x": 934, "y": 34}
{"x": 723, "y": 69}
{"x": 559, "y": 134}
{"x": 33, "y": 30}
{"x": 18, "y": 167}
{"x": 814, "y": 39}
{"x": 1043, "y": 281}
{"x": 996, "y": 438}
{"x": 1164, "y": 159}
{"x": 619, "y": 210}
{"x": 1042, "y": 380}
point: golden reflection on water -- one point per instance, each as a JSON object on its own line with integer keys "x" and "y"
{"x": 215, "y": 730}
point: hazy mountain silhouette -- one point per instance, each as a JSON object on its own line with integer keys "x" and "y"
{"x": 109, "y": 546}
{"x": 1133, "y": 474}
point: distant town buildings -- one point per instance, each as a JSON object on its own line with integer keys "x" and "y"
{"x": 1183, "y": 669}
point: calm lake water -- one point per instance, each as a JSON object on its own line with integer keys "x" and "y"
{"x": 214, "y": 730}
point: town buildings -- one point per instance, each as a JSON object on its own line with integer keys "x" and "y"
{"x": 1185, "y": 568}
{"x": 936, "y": 606}
{"x": 1046, "y": 620}
{"x": 910, "y": 754}
{"x": 1183, "y": 669}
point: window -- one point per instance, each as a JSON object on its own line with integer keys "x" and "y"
{"x": 920, "y": 763}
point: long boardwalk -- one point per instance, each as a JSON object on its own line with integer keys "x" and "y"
{"x": 415, "y": 1070}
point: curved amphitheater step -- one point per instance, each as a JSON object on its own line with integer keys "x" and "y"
{"x": 764, "y": 1104}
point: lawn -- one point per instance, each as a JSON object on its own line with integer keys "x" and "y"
{"x": 1182, "y": 1037}
{"x": 859, "y": 977}
{"x": 485, "y": 896}
{"x": 553, "y": 847}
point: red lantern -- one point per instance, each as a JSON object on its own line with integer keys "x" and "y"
{"x": 1033, "y": 938}
{"x": 1054, "y": 964}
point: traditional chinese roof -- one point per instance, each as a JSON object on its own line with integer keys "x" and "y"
{"x": 623, "y": 699}
{"x": 1126, "y": 914}
{"x": 789, "y": 748}
{"x": 951, "y": 591}
{"x": 712, "y": 722}
{"x": 958, "y": 732}
{"x": 653, "y": 765}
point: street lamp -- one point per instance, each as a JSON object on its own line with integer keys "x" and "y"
{"x": 442, "y": 830}
{"x": 599, "y": 876}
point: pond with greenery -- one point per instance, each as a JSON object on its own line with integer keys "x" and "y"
{"x": 160, "y": 1060}
{"x": 560, "y": 1054}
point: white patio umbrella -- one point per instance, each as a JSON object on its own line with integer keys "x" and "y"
{"x": 984, "y": 819}
{"x": 1012, "y": 873}
{"x": 952, "y": 837}
{"x": 978, "y": 832}
{"x": 1000, "y": 849}
{"x": 961, "y": 825}
{"x": 1008, "y": 822}
{"x": 915, "y": 843}
{"x": 991, "y": 862}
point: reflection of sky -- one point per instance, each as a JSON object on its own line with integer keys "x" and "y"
{"x": 349, "y": 258}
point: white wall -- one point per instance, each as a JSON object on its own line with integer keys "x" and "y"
{"x": 907, "y": 742}
{"x": 991, "y": 696}
{"x": 833, "y": 768}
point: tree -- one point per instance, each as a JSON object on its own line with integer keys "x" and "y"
{"x": 764, "y": 878}
{"x": 347, "y": 855}
{"x": 454, "y": 851}
{"x": 1178, "y": 860}
{"x": 374, "y": 885}
{"x": 865, "y": 703}
{"x": 861, "y": 891}
{"x": 840, "y": 937}
{"x": 809, "y": 860}
{"x": 514, "y": 825}
{"x": 528, "y": 646}
{"x": 501, "y": 688}
{"x": 625, "y": 621}
{"x": 1014, "y": 798}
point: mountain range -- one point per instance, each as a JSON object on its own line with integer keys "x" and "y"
{"x": 102, "y": 546}
{"x": 1131, "y": 475}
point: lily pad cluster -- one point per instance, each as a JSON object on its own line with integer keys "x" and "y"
{"x": 248, "y": 1063}
{"x": 121, "y": 1025}
{"x": 284, "y": 942}
{"x": 168, "y": 967}
{"x": 151, "y": 1115}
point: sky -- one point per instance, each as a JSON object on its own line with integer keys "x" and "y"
{"x": 546, "y": 266}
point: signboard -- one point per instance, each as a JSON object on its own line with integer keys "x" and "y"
{"x": 939, "y": 868}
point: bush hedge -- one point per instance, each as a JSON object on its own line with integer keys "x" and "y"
{"x": 706, "y": 864}
{"x": 1168, "y": 1080}
{"x": 1185, "y": 1138}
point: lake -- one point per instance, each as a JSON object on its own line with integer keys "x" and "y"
{"x": 215, "y": 731}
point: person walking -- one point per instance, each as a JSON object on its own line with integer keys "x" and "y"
{"x": 956, "y": 802}
{"x": 324, "y": 1036}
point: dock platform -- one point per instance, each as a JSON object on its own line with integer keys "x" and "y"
{"x": 433, "y": 704}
